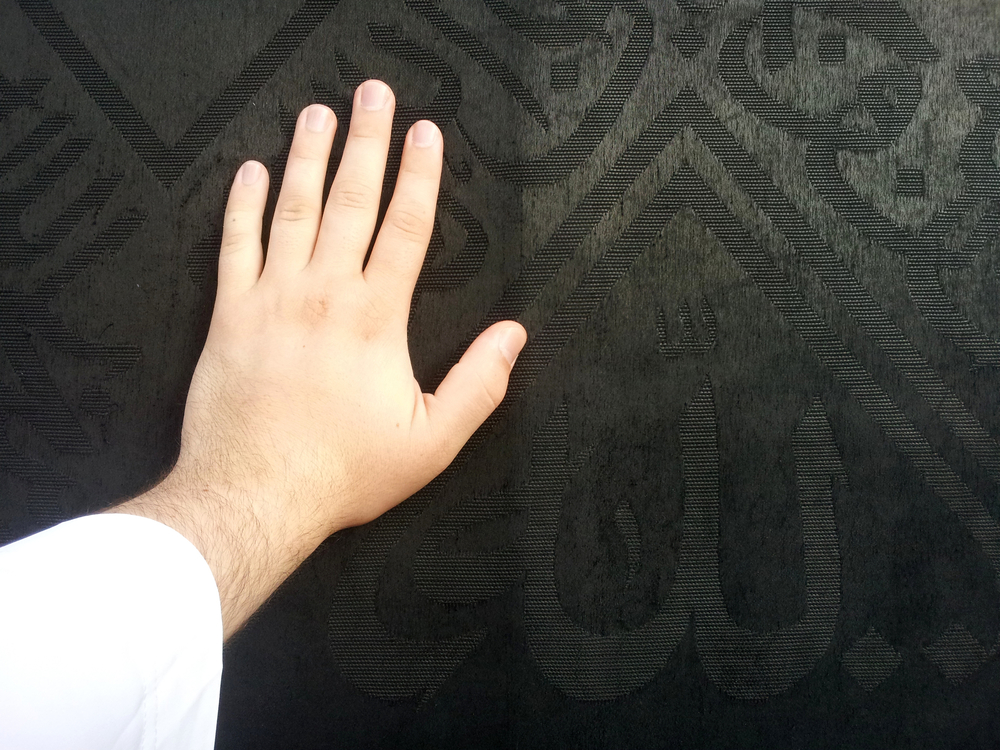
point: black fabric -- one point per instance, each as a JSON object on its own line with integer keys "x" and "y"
{"x": 743, "y": 490}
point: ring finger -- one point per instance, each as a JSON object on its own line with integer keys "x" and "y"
{"x": 300, "y": 202}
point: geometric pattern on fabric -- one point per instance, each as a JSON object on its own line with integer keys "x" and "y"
{"x": 743, "y": 489}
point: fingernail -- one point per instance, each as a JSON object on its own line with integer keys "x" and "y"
{"x": 374, "y": 95}
{"x": 424, "y": 133}
{"x": 510, "y": 343}
{"x": 249, "y": 172}
{"x": 317, "y": 118}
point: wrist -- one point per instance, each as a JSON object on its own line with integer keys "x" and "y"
{"x": 247, "y": 536}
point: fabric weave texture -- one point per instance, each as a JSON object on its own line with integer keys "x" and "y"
{"x": 743, "y": 490}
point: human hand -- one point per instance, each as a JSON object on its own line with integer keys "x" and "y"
{"x": 304, "y": 416}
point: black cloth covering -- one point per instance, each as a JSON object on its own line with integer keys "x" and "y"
{"x": 743, "y": 491}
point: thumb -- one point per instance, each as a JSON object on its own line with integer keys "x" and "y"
{"x": 474, "y": 387}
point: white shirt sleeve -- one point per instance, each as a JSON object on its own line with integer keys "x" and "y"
{"x": 110, "y": 637}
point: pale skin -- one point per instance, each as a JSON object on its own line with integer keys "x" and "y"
{"x": 304, "y": 416}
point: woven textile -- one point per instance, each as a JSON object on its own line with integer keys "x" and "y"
{"x": 743, "y": 491}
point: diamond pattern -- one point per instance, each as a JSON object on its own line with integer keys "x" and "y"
{"x": 689, "y": 41}
{"x": 871, "y": 660}
{"x": 957, "y": 654}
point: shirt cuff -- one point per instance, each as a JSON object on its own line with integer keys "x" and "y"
{"x": 110, "y": 637}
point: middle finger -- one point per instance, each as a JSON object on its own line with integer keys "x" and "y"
{"x": 300, "y": 202}
{"x": 352, "y": 208}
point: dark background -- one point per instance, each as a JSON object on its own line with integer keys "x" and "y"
{"x": 743, "y": 489}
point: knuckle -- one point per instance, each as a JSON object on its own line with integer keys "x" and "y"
{"x": 233, "y": 242}
{"x": 318, "y": 304}
{"x": 237, "y": 235}
{"x": 352, "y": 196}
{"x": 371, "y": 317}
{"x": 409, "y": 222}
{"x": 489, "y": 394}
{"x": 295, "y": 209}
{"x": 325, "y": 299}
{"x": 306, "y": 153}
{"x": 365, "y": 131}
